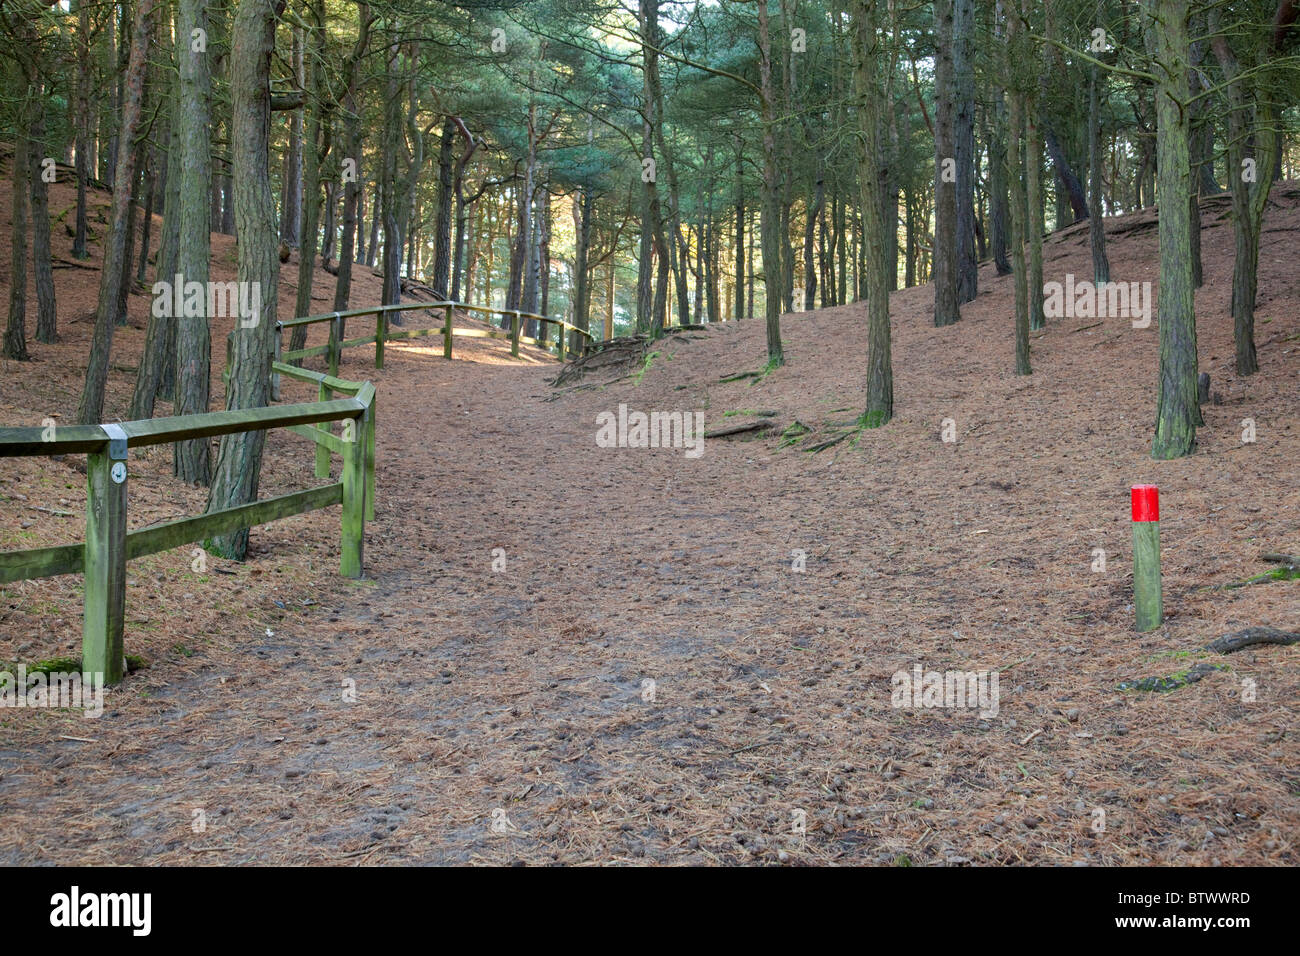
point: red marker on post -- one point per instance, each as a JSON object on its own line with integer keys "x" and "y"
{"x": 1147, "y": 598}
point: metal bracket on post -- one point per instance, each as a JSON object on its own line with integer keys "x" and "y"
{"x": 116, "y": 452}
{"x": 116, "y": 442}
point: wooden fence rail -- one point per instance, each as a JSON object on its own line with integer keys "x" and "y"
{"x": 108, "y": 546}
{"x": 448, "y": 332}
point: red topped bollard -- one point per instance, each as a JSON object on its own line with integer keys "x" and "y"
{"x": 1147, "y": 598}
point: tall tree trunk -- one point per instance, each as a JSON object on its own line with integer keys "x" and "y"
{"x": 146, "y": 218}
{"x": 770, "y": 221}
{"x": 83, "y": 159}
{"x": 462, "y": 214}
{"x": 239, "y": 460}
{"x": 91, "y": 408}
{"x": 963, "y": 121}
{"x": 1069, "y": 186}
{"x": 998, "y": 204}
{"x": 648, "y": 13}
{"x": 442, "y": 223}
{"x": 542, "y": 283}
{"x": 946, "y": 253}
{"x": 291, "y": 186}
{"x": 372, "y": 247}
{"x": 350, "y": 169}
{"x": 133, "y": 215}
{"x": 609, "y": 299}
{"x": 583, "y": 206}
{"x": 1177, "y": 410}
{"x": 868, "y": 57}
{"x": 391, "y": 198}
{"x": 1253, "y": 147}
{"x": 1016, "y": 118}
{"x": 160, "y": 336}
{"x": 739, "y": 309}
{"x": 313, "y": 152}
{"x": 15, "y": 345}
{"x": 1034, "y": 200}
{"x": 47, "y": 323}
{"x": 1096, "y": 226}
{"x": 811, "y": 214}
{"x": 521, "y": 252}
{"x": 192, "y": 459}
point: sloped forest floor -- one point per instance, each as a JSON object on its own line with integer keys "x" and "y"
{"x": 525, "y": 586}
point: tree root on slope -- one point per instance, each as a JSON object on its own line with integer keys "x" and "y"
{"x": 1251, "y": 636}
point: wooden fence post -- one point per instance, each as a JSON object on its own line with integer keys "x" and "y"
{"x": 370, "y": 461}
{"x": 446, "y": 335}
{"x": 354, "y": 497}
{"x": 514, "y": 334}
{"x": 560, "y": 346}
{"x": 336, "y": 343}
{"x": 381, "y": 332}
{"x": 105, "y": 558}
{"x": 323, "y": 453}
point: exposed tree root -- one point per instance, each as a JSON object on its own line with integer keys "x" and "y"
{"x": 744, "y": 427}
{"x": 1250, "y": 636}
{"x": 1173, "y": 681}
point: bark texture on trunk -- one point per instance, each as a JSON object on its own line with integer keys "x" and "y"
{"x": 1177, "y": 409}
{"x": 91, "y": 408}
{"x": 239, "y": 460}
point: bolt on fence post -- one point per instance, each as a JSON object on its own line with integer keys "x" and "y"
{"x": 514, "y": 334}
{"x": 354, "y": 500}
{"x": 105, "y": 560}
{"x": 446, "y": 335}
{"x": 1147, "y": 598}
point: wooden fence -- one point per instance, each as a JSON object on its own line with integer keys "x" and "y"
{"x": 108, "y": 546}
{"x": 384, "y": 334}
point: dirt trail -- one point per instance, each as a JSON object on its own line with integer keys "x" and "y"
{"x": 520, "y": 697}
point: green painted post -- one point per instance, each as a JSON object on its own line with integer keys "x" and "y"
{"x": 1147, "y": 597}
{"x": 354, "y": 497}
{"x": 336, "y": 339}
{"x": 370, "y": 462}
{"x": 446, "y": 336}
{"x": 323, "y": 453}
{"x": 514, "y": 334}
{"x": 381, "y": 332}
{"x": 105, "y": 559}
{"x": 560, "y": 347}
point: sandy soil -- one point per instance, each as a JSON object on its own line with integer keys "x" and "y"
{"x": 519, "y": 697}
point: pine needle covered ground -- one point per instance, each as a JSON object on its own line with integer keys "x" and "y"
{"x": 506, "y": 715}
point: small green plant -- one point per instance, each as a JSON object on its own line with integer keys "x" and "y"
{"x": 645, "y": 367}
{"x": 793, "y": 433}
{"x": 772, "y": 364}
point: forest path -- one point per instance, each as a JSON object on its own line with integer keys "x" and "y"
{"x": 520, "y": 697}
